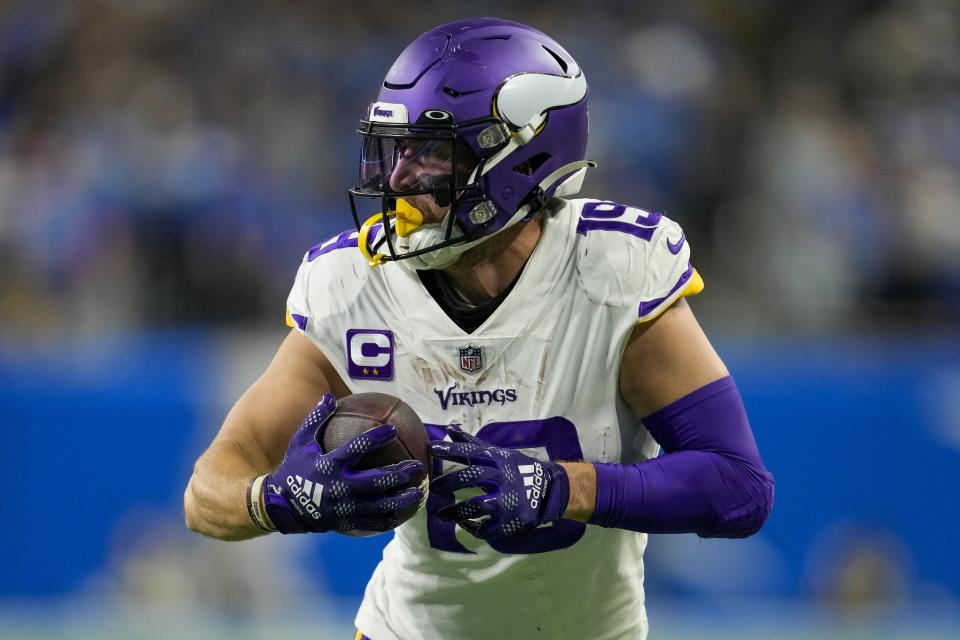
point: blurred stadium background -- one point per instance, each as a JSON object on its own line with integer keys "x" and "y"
{"x": 164, "y": 165}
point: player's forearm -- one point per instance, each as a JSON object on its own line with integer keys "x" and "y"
{"x": 215, "y": 502}
{"x": 711, "y": 482}
{"x": 684, "y": 492}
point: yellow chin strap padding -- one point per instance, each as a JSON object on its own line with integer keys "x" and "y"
{"x": 409, "y": 218}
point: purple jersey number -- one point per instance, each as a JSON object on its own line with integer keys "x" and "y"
{"x": 610, "y": 216}
{"x": 559, "y": 437}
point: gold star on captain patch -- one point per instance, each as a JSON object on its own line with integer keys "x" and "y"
{"x": 376, "y": 372}
{"x": 366, "y": 371}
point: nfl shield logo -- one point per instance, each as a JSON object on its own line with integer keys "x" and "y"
{"x": 471, "y": 358}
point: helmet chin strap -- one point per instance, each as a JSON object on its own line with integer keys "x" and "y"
{"x": 445, "y": 257}
{"x": 408, "y": 220}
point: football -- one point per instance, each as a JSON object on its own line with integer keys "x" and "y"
{"x": 360, "y": 412}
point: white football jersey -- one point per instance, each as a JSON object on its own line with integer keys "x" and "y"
{"x": 540, "y": 375}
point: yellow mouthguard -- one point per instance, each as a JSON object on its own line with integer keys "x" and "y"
{"x": 409, "y": 218}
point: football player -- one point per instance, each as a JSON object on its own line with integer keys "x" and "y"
{"x": 544, "y": 340}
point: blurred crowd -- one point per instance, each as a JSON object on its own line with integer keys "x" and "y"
{"x": 169, "y": 162}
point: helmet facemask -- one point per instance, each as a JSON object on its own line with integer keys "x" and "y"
{"x": 403, "y": 165}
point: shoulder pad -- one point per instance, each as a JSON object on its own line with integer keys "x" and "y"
{"x": 329, "y": 279}
{"x": 630, "y": 257}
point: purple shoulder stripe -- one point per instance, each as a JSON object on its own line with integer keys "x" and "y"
{"x": 300, "y": 320}
{"x": 649, "y": 305}
{"x": 342, "y": 241}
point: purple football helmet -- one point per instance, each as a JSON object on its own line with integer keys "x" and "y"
{"x": 493, "y": 115}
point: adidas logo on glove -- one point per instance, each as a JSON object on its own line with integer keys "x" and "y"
{"x": 307, "y": 494}
{"x": 533, "y": 481}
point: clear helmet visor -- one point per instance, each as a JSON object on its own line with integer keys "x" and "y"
{"x": 397, "y": 160}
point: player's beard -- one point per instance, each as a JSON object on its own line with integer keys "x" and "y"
{"x": 428, "y": 235}
{"x": 425, "y": 236}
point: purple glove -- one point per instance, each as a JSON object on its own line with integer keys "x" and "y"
{"x": 312, "y": 491}
{"x": 522, "y": 493}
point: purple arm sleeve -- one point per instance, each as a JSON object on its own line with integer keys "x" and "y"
{"x": 710, "y": 482}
